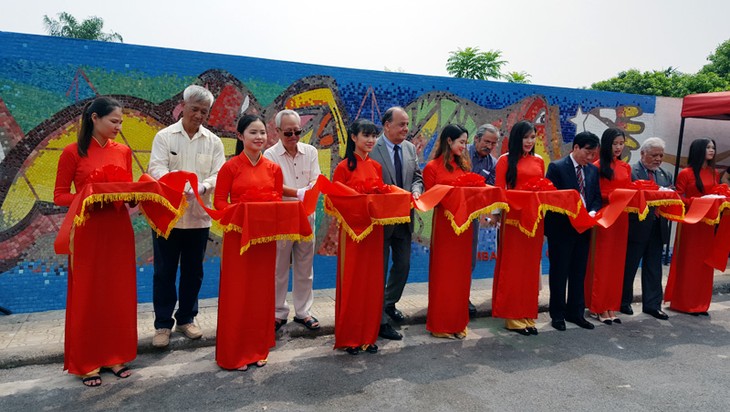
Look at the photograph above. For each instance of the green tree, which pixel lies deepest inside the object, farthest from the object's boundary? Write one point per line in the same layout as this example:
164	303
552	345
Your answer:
471	63
517	77
89	29
719	61
668	82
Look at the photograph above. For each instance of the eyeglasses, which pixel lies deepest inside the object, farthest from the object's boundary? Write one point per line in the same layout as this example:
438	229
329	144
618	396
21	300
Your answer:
290	133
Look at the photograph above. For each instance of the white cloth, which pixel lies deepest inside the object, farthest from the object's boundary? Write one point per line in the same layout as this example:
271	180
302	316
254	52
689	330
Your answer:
299	171
173	149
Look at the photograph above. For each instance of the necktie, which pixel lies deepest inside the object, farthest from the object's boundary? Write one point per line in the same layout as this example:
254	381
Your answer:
398	166
581	182
652	175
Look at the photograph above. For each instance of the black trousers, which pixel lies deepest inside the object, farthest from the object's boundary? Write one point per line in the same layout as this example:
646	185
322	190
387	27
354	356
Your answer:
649	253
185	247
568	258
398	239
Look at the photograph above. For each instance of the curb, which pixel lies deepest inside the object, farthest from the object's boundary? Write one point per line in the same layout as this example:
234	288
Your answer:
51	353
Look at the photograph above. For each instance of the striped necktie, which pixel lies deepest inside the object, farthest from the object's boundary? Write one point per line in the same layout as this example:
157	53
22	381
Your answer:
581	181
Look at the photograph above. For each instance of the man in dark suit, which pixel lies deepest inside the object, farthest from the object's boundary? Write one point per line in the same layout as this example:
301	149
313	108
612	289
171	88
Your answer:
568	249
647	237
399	160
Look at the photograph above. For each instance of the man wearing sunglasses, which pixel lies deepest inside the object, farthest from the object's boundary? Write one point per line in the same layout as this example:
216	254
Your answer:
300	165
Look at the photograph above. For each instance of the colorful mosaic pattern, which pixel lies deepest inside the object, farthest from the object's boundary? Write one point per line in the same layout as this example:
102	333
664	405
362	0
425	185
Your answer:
45	82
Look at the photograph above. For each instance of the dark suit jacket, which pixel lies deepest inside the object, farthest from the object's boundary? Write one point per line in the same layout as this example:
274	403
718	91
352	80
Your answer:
412	179
639	230
562	174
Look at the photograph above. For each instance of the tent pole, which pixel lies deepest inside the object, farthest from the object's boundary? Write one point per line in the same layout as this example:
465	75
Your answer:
676	173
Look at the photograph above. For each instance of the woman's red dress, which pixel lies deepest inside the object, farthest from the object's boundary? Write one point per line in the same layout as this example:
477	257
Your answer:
607	257
689	287
449	273
360	278
101	305
246	297
517	273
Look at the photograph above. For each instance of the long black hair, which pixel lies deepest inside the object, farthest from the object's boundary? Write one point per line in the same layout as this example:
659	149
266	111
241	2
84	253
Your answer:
518	132
243	123
358	126
102	106
697	159
606	152
453	132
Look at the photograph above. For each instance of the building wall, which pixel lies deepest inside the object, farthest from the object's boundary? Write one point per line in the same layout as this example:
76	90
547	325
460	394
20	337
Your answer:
44	82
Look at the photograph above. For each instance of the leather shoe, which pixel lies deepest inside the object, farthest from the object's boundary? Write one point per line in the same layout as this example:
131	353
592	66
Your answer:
387	332
559	325
472	309
657	314
626	310
395	314
582	322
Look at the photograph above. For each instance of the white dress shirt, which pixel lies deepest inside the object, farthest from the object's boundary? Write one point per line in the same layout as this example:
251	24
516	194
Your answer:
173	149
299	171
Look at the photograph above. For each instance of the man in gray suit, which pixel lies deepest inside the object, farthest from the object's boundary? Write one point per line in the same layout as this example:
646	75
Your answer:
647	237
399	160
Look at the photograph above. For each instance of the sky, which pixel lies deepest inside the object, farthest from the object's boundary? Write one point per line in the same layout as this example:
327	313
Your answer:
564	43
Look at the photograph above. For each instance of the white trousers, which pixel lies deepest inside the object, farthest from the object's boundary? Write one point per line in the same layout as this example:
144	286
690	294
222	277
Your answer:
300	257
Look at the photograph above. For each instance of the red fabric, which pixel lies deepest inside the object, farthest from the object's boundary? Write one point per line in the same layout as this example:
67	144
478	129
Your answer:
360	277
245	330
689	287
252	222
241	181
449	274
607	256
101	304
358	212
517	272
687	188
707	105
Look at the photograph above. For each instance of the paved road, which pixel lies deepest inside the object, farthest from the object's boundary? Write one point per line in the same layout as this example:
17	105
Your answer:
645	364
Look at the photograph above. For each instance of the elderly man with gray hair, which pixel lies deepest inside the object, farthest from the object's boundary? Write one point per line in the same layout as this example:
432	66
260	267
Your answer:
185	145
299	163
647	237
483	163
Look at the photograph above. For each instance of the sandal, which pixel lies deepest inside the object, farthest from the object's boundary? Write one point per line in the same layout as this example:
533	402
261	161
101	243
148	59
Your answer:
243	368
92	380
262	363
355	350
372	348
310	323
278	323
119	373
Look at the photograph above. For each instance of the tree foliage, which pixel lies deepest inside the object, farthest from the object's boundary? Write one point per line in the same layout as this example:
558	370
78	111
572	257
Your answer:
719	61
670	82
517	77
472	63
89	29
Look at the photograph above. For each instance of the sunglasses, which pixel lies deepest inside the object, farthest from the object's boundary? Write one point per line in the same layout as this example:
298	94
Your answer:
292	133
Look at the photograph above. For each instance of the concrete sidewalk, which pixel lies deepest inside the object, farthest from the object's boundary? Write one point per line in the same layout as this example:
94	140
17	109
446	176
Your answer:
37	338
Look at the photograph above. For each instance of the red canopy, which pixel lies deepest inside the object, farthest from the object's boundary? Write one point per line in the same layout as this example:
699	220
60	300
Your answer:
707	105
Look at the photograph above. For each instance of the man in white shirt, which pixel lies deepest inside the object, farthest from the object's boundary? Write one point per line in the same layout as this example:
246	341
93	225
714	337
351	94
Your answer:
186	145
300	165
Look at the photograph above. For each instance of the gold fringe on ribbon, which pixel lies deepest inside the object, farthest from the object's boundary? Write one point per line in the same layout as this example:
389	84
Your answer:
725	204
178	214
103	198
294	237
542	209
330	210
483	211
